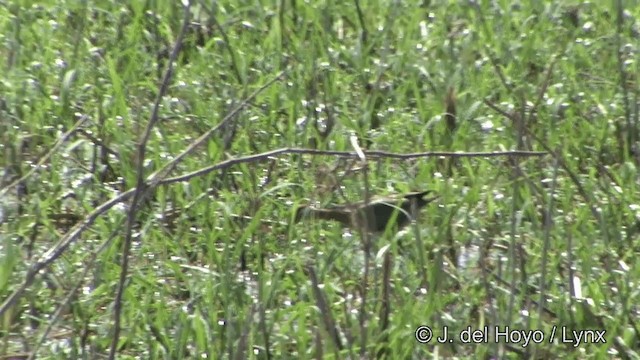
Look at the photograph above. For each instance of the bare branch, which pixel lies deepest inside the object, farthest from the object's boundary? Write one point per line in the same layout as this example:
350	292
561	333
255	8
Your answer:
370	154
141	189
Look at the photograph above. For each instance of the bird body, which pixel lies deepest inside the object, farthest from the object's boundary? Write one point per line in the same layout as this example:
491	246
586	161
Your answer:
375	216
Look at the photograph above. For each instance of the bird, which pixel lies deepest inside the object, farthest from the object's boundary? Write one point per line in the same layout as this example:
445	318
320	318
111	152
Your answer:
379	212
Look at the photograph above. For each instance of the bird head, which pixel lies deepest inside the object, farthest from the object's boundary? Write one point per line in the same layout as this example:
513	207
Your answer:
421	198
301	212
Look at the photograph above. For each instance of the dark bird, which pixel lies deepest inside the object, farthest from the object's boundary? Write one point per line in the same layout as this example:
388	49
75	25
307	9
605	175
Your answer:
375	216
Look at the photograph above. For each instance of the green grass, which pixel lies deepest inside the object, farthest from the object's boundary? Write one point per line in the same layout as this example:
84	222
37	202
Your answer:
227	275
